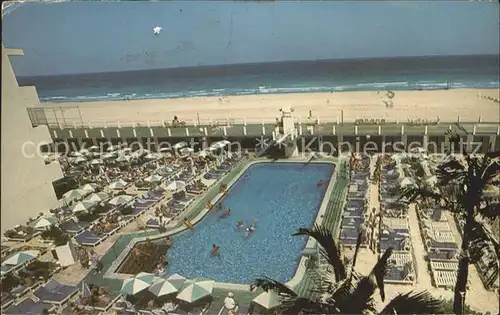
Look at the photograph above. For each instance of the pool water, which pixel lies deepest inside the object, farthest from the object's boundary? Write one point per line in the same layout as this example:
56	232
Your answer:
280	197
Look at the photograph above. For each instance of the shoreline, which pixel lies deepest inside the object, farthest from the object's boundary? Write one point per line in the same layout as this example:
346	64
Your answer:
448	105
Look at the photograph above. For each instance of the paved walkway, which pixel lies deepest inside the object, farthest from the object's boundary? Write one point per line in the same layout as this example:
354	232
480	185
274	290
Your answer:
424	278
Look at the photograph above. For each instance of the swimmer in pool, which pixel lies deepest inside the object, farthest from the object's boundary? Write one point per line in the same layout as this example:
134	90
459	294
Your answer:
219	206
320	183
249	230
227	212
239	224
215	251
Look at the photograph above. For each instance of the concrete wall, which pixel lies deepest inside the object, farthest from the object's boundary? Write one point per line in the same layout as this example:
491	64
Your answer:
26	181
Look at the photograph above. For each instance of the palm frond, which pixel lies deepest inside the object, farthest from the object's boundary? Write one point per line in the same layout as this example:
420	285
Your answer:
413	303
355	298
301	305
490	210
414	193
493	155
268	284
329	249
380	269
356	252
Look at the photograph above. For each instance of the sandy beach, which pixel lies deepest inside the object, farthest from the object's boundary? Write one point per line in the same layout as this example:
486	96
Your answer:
448	105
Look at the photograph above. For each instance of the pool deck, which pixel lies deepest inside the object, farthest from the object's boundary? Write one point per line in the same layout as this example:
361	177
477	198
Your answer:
328	215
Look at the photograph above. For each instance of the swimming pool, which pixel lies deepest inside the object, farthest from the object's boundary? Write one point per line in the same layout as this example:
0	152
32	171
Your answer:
280	197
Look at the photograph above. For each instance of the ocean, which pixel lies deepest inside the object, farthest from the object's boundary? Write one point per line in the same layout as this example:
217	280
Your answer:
415	73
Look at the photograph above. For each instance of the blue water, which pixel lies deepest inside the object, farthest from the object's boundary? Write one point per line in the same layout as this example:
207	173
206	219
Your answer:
281	197
422	73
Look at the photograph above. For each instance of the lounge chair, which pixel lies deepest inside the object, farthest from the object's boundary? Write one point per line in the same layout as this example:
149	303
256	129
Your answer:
28	307
55	293
88	238
153	223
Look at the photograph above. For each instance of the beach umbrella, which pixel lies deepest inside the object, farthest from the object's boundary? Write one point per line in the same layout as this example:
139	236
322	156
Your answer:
153	179
96	162
268	300
21	257
186	151
91	187
98	197
407	181
165	287
75	154
137	284
120	200
216	146
108	156
122	158
202	153
119	184
152	156
74	193
180	145
82	206
176	185
79	160
165	149
177	280
112	148
225	142
194	290
85	290
45	222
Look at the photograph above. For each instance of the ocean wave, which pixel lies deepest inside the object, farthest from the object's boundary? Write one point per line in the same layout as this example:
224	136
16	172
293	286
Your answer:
402	85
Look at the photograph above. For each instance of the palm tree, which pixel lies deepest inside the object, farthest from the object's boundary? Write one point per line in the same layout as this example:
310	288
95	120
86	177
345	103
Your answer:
345	291
461	189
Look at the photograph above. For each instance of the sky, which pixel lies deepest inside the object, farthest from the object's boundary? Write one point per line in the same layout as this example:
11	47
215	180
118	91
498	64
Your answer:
88	37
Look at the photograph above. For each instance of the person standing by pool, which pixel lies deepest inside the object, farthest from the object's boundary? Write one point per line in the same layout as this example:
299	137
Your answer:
215	251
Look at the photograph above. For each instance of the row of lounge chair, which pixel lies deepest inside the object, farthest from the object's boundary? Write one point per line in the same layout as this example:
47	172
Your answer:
141	204
395	230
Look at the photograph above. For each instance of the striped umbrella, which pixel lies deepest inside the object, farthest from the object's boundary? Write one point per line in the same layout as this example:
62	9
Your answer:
45	222
153	179
98	197
268	300
137	284
21	257
118	184
176	185
89	187
79	160
123	158
177	280
180	145
163	287
83	206
74	193
194	290
119	200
